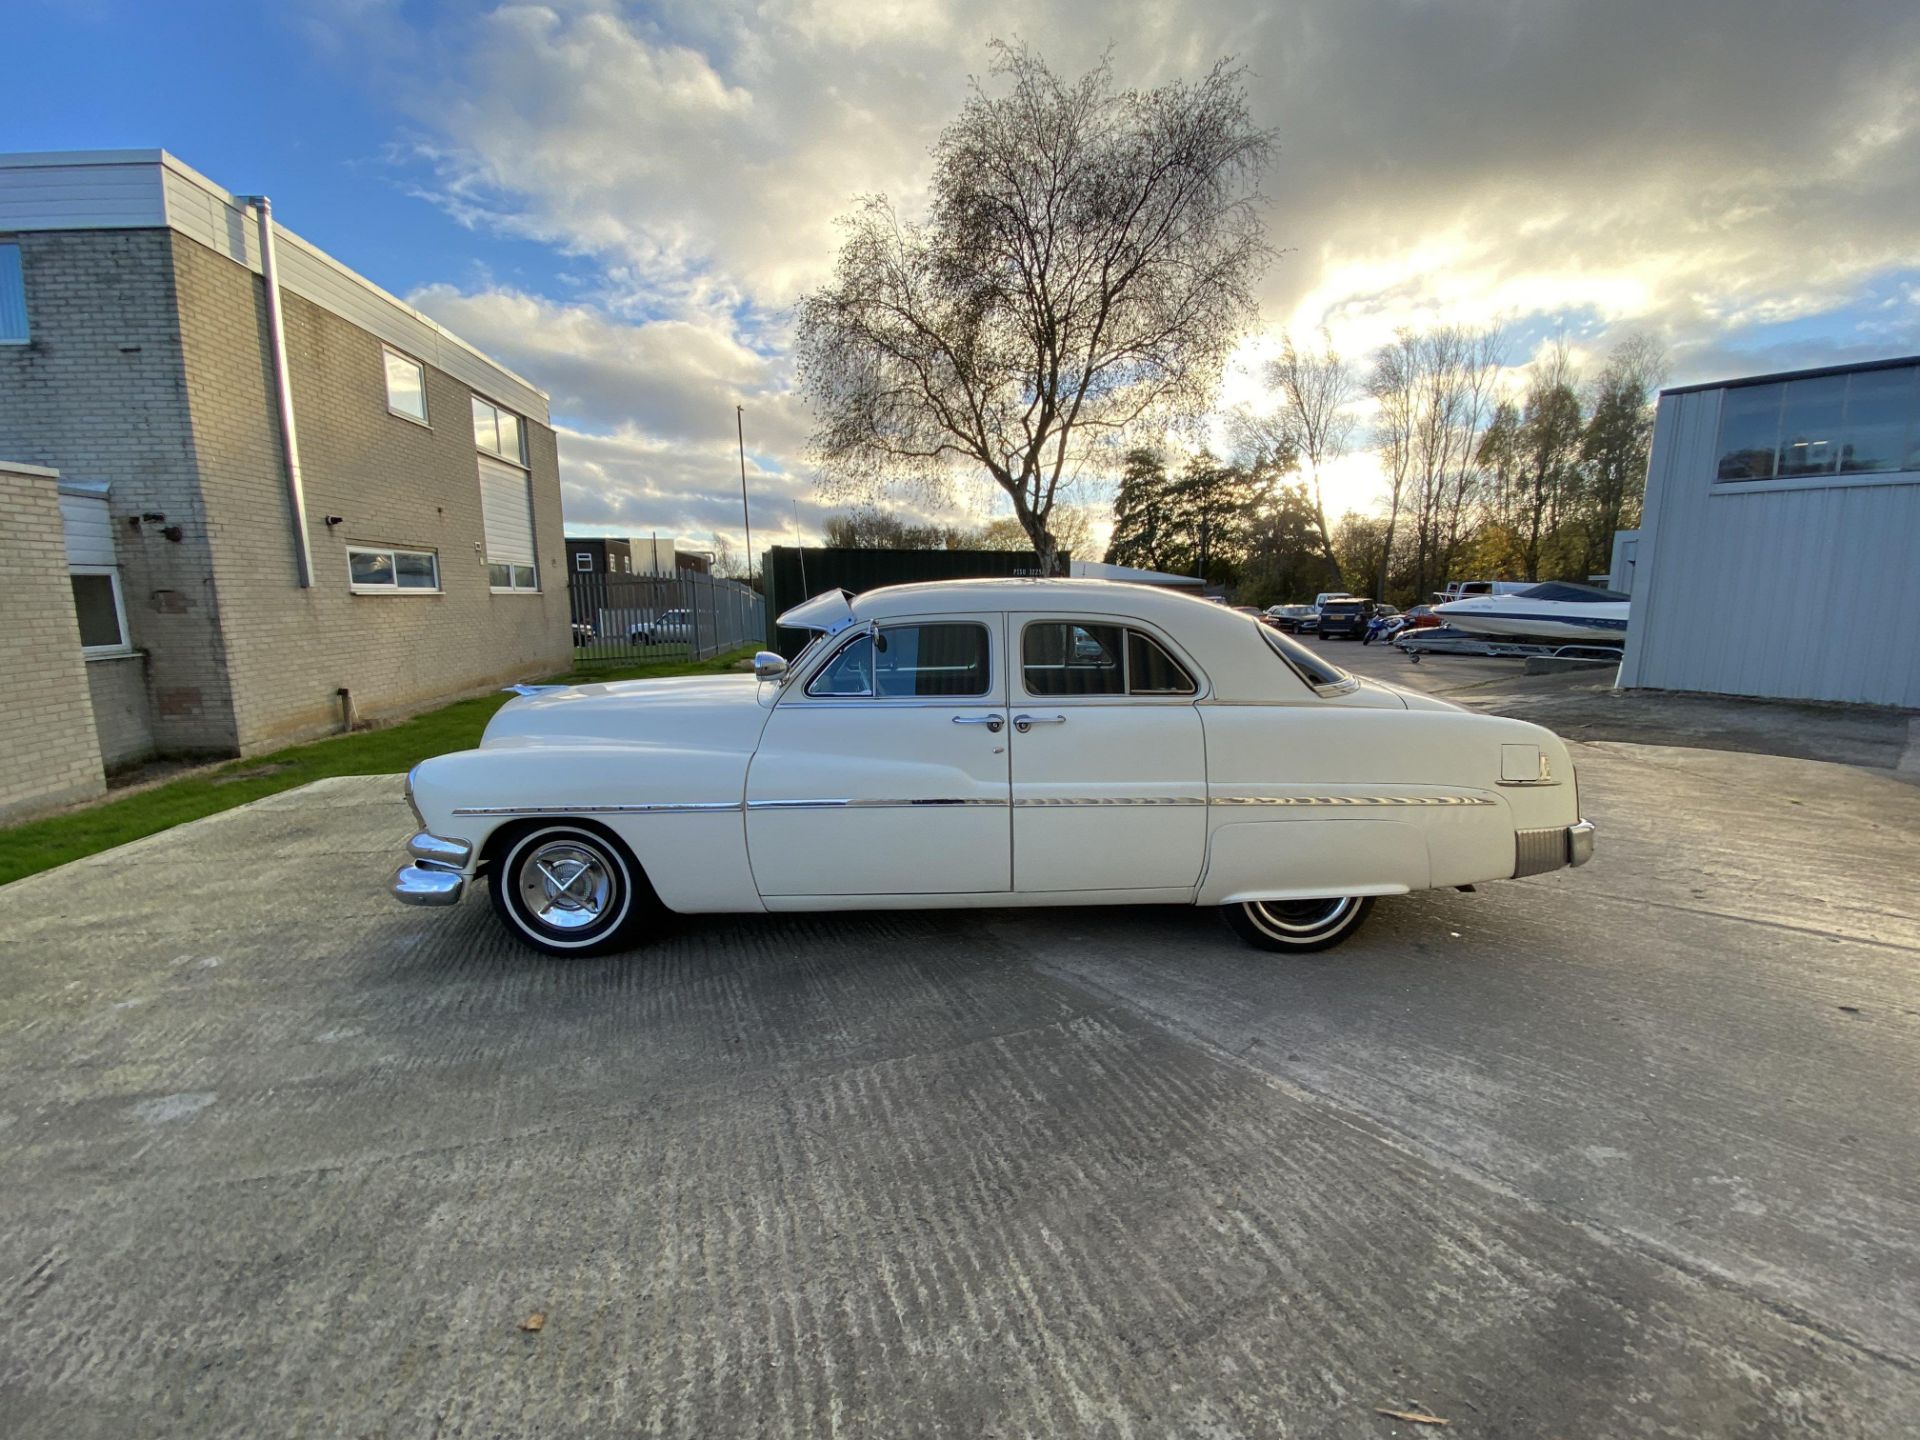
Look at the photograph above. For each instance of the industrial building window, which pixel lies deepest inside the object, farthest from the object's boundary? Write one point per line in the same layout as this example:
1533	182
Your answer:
406	386
499	432
1861	423
391	572
506	513
13	298
583	561
97	600
101	610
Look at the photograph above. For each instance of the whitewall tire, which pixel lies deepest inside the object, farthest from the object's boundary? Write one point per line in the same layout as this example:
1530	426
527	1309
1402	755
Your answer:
567	889
1298	927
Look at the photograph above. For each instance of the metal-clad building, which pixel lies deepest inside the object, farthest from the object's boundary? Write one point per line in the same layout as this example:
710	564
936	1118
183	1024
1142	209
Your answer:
1779	551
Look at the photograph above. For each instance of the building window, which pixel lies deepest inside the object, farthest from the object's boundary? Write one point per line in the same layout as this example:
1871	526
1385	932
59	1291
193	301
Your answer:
391	572
1861	423
499	432
583	561
13	298
101	610
406	386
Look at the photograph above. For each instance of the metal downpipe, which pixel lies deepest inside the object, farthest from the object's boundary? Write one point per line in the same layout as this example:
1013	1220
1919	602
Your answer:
283	389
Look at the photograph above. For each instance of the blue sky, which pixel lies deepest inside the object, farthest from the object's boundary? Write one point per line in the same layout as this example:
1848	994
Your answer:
623	201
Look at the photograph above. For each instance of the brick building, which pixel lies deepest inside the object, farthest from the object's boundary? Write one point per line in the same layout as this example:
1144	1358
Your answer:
141	405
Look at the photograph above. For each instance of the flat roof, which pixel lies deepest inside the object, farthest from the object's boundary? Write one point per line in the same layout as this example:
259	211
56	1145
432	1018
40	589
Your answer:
1778	375
153	190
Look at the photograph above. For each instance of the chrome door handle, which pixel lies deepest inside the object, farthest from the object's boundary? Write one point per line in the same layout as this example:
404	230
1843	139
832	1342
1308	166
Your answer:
992	722
1024	723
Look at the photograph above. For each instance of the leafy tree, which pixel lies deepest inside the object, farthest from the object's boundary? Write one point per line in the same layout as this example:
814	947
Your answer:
1143	534
1072	531
1616	442
1087	262
1549	449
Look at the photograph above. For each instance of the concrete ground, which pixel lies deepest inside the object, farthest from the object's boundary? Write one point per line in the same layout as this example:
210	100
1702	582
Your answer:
1625	1151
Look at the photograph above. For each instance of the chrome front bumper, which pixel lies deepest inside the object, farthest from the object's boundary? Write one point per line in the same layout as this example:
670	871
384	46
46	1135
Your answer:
435	876
1552	848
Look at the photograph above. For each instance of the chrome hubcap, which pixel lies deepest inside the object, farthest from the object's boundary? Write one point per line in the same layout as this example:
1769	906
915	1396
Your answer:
1301	919
567	886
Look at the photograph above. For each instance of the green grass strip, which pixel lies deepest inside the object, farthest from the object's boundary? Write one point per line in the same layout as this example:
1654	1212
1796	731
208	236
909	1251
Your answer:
41	844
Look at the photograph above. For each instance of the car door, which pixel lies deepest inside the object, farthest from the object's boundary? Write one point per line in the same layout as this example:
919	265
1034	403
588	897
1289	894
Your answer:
885	770
1109	759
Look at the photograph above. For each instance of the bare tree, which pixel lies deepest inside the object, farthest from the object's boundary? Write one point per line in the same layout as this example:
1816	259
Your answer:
1088	260
1393	383
1313	421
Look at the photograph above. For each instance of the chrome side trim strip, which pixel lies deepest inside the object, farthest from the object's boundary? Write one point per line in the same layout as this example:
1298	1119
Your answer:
695	807
1231	799
1055	802
937	802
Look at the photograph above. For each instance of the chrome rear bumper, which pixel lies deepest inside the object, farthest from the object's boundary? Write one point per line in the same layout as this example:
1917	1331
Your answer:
435	875
1552	848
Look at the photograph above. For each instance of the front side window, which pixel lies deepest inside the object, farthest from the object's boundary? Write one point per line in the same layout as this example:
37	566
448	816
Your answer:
387	571
98	606
934	661
406	386
13	298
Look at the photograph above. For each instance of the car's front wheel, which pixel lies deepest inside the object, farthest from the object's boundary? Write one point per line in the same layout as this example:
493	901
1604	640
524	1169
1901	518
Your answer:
568	890
1298	926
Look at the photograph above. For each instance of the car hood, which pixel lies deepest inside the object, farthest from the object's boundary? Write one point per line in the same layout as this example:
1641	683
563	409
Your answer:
704	712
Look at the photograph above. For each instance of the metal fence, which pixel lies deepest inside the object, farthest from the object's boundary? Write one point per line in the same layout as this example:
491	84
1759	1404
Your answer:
626	619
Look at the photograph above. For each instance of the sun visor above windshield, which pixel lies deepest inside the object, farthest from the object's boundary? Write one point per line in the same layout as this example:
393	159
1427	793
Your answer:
829	611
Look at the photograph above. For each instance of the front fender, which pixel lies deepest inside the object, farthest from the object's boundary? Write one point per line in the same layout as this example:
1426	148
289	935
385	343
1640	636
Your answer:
678	809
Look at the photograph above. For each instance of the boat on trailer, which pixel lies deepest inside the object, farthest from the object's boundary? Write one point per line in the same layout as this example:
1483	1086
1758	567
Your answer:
1553	613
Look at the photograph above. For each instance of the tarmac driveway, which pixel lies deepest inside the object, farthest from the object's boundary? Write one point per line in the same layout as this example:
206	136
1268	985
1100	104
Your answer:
1618	1152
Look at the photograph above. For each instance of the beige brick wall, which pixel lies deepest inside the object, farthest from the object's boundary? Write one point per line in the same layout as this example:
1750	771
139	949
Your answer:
392	481
122	717
48	754
98	393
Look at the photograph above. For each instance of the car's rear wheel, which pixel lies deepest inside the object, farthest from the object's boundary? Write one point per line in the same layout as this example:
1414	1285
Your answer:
1296	927
568	890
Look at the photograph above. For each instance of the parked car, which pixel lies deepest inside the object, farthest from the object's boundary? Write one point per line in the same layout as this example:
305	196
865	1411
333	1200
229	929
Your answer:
1421	617
1326	595
1288	617
1345	618
989	743
670	627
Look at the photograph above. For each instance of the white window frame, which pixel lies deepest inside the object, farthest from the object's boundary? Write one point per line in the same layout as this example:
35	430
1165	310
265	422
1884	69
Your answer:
124	646
392	552
515	588
425	419
583	561
520	425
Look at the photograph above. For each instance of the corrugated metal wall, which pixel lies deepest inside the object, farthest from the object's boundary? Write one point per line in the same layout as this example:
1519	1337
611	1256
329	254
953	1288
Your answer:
1805	589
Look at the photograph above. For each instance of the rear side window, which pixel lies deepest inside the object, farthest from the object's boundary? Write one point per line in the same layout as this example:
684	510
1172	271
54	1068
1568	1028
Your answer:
1065	657
910	661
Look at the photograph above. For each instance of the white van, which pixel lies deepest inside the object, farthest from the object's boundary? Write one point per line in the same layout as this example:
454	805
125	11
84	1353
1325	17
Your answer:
1326	595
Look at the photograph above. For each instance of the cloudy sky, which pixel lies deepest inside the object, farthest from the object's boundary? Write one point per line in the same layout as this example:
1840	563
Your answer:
623	201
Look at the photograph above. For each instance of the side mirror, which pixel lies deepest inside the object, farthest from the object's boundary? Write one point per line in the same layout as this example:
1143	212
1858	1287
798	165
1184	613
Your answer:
768	666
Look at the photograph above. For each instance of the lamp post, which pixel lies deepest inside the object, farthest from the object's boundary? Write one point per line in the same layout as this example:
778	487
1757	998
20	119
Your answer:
740	426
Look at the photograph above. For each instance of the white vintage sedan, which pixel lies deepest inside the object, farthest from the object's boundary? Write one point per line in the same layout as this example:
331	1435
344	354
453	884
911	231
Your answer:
990	743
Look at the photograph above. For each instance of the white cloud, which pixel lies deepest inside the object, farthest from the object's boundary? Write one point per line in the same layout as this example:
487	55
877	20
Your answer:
1698	169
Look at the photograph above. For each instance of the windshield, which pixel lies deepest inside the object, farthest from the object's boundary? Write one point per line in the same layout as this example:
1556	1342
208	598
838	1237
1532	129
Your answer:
1322	674
1568	594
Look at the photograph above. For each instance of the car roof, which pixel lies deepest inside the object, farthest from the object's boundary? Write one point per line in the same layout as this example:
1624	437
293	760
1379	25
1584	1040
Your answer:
1226	643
